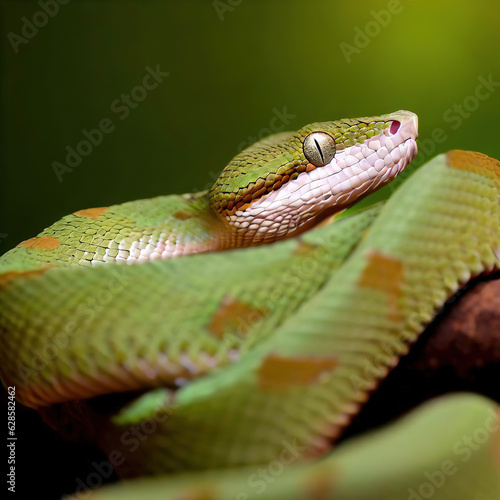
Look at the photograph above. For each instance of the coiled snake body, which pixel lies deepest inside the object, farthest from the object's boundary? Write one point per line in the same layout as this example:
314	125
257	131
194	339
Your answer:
258	321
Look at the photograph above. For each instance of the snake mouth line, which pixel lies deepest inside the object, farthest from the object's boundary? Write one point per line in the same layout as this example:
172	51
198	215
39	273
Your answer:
303	202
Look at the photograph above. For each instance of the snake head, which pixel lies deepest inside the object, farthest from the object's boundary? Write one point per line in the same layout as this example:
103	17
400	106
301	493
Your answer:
287	183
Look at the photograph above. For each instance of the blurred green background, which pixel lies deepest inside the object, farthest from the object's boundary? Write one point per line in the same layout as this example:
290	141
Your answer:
231	65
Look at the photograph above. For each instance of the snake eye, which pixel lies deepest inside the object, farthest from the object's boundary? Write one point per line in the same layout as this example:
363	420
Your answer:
319	148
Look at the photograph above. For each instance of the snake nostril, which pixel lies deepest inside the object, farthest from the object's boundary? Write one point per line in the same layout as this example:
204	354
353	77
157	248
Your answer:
394	127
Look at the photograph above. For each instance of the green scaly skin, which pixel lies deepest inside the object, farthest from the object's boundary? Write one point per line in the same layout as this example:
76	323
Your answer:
314	323
201	222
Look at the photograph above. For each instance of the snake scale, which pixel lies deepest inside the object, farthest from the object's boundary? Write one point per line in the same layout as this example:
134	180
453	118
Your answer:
256	319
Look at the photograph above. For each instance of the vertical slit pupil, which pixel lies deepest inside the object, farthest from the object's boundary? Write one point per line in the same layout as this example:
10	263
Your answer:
319	150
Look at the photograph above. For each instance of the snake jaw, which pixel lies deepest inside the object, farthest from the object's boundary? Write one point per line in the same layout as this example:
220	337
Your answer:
354	172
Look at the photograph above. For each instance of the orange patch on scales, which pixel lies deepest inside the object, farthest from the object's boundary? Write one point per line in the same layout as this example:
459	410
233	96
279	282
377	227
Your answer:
182	215
385	274
281	373
41	243
6	278
234	316
495	446
320	484
471	161
201	492
91	213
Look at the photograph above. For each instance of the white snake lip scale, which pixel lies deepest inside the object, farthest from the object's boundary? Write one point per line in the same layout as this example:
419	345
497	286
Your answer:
340	162
319	322
354	172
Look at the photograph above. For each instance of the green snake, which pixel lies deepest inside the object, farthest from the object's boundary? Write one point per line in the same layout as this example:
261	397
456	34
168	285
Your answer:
256	319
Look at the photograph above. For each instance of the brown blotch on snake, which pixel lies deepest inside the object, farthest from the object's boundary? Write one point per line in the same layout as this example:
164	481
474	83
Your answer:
277	373
474	162
6	278
384	273
91	213
42	243
182	215
235	317
320	484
